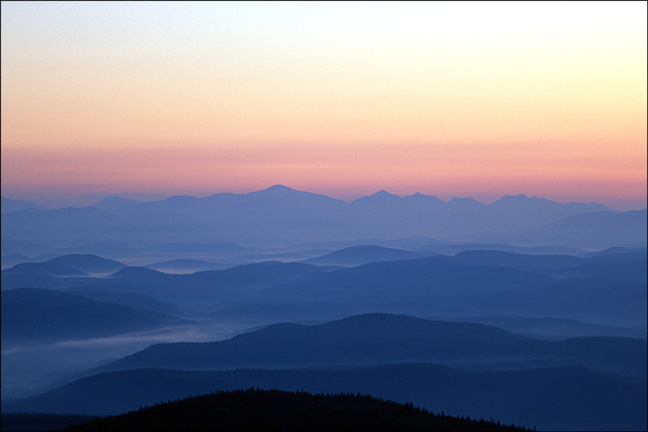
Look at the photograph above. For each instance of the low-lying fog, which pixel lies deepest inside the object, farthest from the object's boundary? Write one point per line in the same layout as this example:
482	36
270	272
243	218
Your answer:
28	370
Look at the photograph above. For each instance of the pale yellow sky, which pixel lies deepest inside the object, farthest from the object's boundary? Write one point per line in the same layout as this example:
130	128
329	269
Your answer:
481	99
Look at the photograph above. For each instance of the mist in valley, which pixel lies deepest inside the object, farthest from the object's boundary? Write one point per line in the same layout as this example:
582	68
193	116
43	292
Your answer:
107	291
379	208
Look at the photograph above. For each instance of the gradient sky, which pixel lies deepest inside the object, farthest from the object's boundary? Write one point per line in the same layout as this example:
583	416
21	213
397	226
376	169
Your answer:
345	99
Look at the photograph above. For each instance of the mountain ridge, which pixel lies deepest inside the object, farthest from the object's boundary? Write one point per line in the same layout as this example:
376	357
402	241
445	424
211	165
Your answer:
282	215
255	409
584	402
378	338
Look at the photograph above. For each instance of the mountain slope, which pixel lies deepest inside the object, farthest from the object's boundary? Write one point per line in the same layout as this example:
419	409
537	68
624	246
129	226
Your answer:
196	288
382	339
357	255
36	315
516	260
257	410
9	205
371	338
565	398
592	290
45	269
592	230
602	289
88	263
184	266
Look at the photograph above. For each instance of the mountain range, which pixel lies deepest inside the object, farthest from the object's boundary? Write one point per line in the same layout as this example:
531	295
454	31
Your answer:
386	339
560	398
525	310
281	215
604	288
525	335
459	368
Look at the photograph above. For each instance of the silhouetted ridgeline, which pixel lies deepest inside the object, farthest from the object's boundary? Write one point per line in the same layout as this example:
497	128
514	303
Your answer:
385	339
298	216
559	398
278	410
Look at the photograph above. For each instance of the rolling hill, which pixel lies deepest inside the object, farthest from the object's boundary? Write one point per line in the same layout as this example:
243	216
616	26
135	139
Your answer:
44	268
386	339
604	289
357	255
257	410
562	398
184	266
188	290
88	263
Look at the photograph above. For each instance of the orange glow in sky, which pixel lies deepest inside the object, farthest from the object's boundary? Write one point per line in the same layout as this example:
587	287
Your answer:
448	99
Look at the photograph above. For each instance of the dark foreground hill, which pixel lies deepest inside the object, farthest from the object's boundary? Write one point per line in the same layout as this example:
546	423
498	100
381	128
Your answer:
278	410
564	398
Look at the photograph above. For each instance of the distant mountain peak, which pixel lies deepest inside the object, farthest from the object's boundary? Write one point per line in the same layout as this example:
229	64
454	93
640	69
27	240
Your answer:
384	193
516	198
115	198
382	196
278	190
519	199
278	187
422	198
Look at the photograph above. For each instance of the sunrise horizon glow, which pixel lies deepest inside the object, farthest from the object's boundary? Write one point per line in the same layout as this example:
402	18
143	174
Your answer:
477	100
93	195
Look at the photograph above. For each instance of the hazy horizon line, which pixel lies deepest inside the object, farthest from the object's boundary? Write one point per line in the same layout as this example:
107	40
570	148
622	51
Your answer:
59	200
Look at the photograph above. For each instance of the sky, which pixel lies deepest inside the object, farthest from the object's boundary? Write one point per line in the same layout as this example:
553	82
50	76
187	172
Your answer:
479	99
